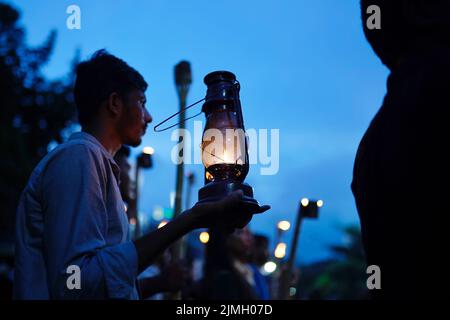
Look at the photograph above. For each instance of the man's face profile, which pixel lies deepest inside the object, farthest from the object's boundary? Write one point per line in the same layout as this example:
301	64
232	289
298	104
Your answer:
134	118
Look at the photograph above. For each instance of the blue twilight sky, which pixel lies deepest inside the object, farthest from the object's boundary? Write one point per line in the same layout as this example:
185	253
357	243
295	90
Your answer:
304	68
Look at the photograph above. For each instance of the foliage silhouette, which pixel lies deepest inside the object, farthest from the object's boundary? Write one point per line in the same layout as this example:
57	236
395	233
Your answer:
34	111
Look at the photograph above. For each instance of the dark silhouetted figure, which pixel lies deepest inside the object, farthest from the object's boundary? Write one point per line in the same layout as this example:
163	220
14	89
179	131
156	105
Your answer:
125	185
162	276
260	250
402	170
229	271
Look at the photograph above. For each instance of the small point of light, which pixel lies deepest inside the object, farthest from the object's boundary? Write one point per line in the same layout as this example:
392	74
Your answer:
162	224
270	267
292	291
204	237
284	225
305	202
158	213
148	150
320	203
280	250
133	221
125	207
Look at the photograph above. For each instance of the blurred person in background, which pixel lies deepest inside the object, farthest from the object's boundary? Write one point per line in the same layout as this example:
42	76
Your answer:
241	246
259	257
228	271
260	250
163	277
160	277
125	185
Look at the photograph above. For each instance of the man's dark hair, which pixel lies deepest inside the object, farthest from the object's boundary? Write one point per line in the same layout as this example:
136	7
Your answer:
100	76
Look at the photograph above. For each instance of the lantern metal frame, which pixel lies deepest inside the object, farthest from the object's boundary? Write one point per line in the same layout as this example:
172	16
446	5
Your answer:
223	94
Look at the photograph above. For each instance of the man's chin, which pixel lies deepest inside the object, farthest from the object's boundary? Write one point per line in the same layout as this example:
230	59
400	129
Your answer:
134	143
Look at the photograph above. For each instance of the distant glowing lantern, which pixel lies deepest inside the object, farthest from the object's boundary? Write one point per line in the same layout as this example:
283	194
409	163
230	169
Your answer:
280	250
269	267
204	237
305	202
310	208
284	225
144	160
148	150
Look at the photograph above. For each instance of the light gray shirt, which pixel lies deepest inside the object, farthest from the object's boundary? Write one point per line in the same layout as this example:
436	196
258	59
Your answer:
71	214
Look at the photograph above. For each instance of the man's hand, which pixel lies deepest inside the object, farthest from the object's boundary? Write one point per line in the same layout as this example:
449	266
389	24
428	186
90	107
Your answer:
232	212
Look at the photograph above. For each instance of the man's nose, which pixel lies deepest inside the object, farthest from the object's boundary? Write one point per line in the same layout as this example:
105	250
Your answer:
147	117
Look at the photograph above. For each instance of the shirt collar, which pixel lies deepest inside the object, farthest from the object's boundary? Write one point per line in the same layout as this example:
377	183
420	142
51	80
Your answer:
88	137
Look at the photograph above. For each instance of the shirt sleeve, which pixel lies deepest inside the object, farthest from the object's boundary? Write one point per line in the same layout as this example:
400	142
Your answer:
76	224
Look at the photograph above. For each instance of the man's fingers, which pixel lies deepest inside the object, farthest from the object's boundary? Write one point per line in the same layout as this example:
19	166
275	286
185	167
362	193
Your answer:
264	208
233	198
255	208
238	194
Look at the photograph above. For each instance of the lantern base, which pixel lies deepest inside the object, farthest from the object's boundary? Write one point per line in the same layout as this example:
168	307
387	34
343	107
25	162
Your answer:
217	190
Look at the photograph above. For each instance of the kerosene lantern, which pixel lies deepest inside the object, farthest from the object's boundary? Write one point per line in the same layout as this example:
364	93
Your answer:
224	143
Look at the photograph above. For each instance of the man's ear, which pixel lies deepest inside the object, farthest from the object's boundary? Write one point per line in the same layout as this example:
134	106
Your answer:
114	104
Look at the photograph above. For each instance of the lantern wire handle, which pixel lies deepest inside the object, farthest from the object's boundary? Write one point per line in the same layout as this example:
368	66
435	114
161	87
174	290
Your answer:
184	110
155	128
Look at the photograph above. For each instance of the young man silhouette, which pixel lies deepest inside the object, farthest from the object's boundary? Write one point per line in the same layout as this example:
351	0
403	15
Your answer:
71	214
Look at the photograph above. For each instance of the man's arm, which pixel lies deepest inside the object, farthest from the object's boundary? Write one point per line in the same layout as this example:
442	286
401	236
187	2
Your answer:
231	212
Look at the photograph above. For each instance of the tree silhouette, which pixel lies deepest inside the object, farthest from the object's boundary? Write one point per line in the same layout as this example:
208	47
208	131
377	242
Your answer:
343	277
34	111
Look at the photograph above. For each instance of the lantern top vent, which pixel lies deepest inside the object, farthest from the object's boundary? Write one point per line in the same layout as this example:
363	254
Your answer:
219	76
